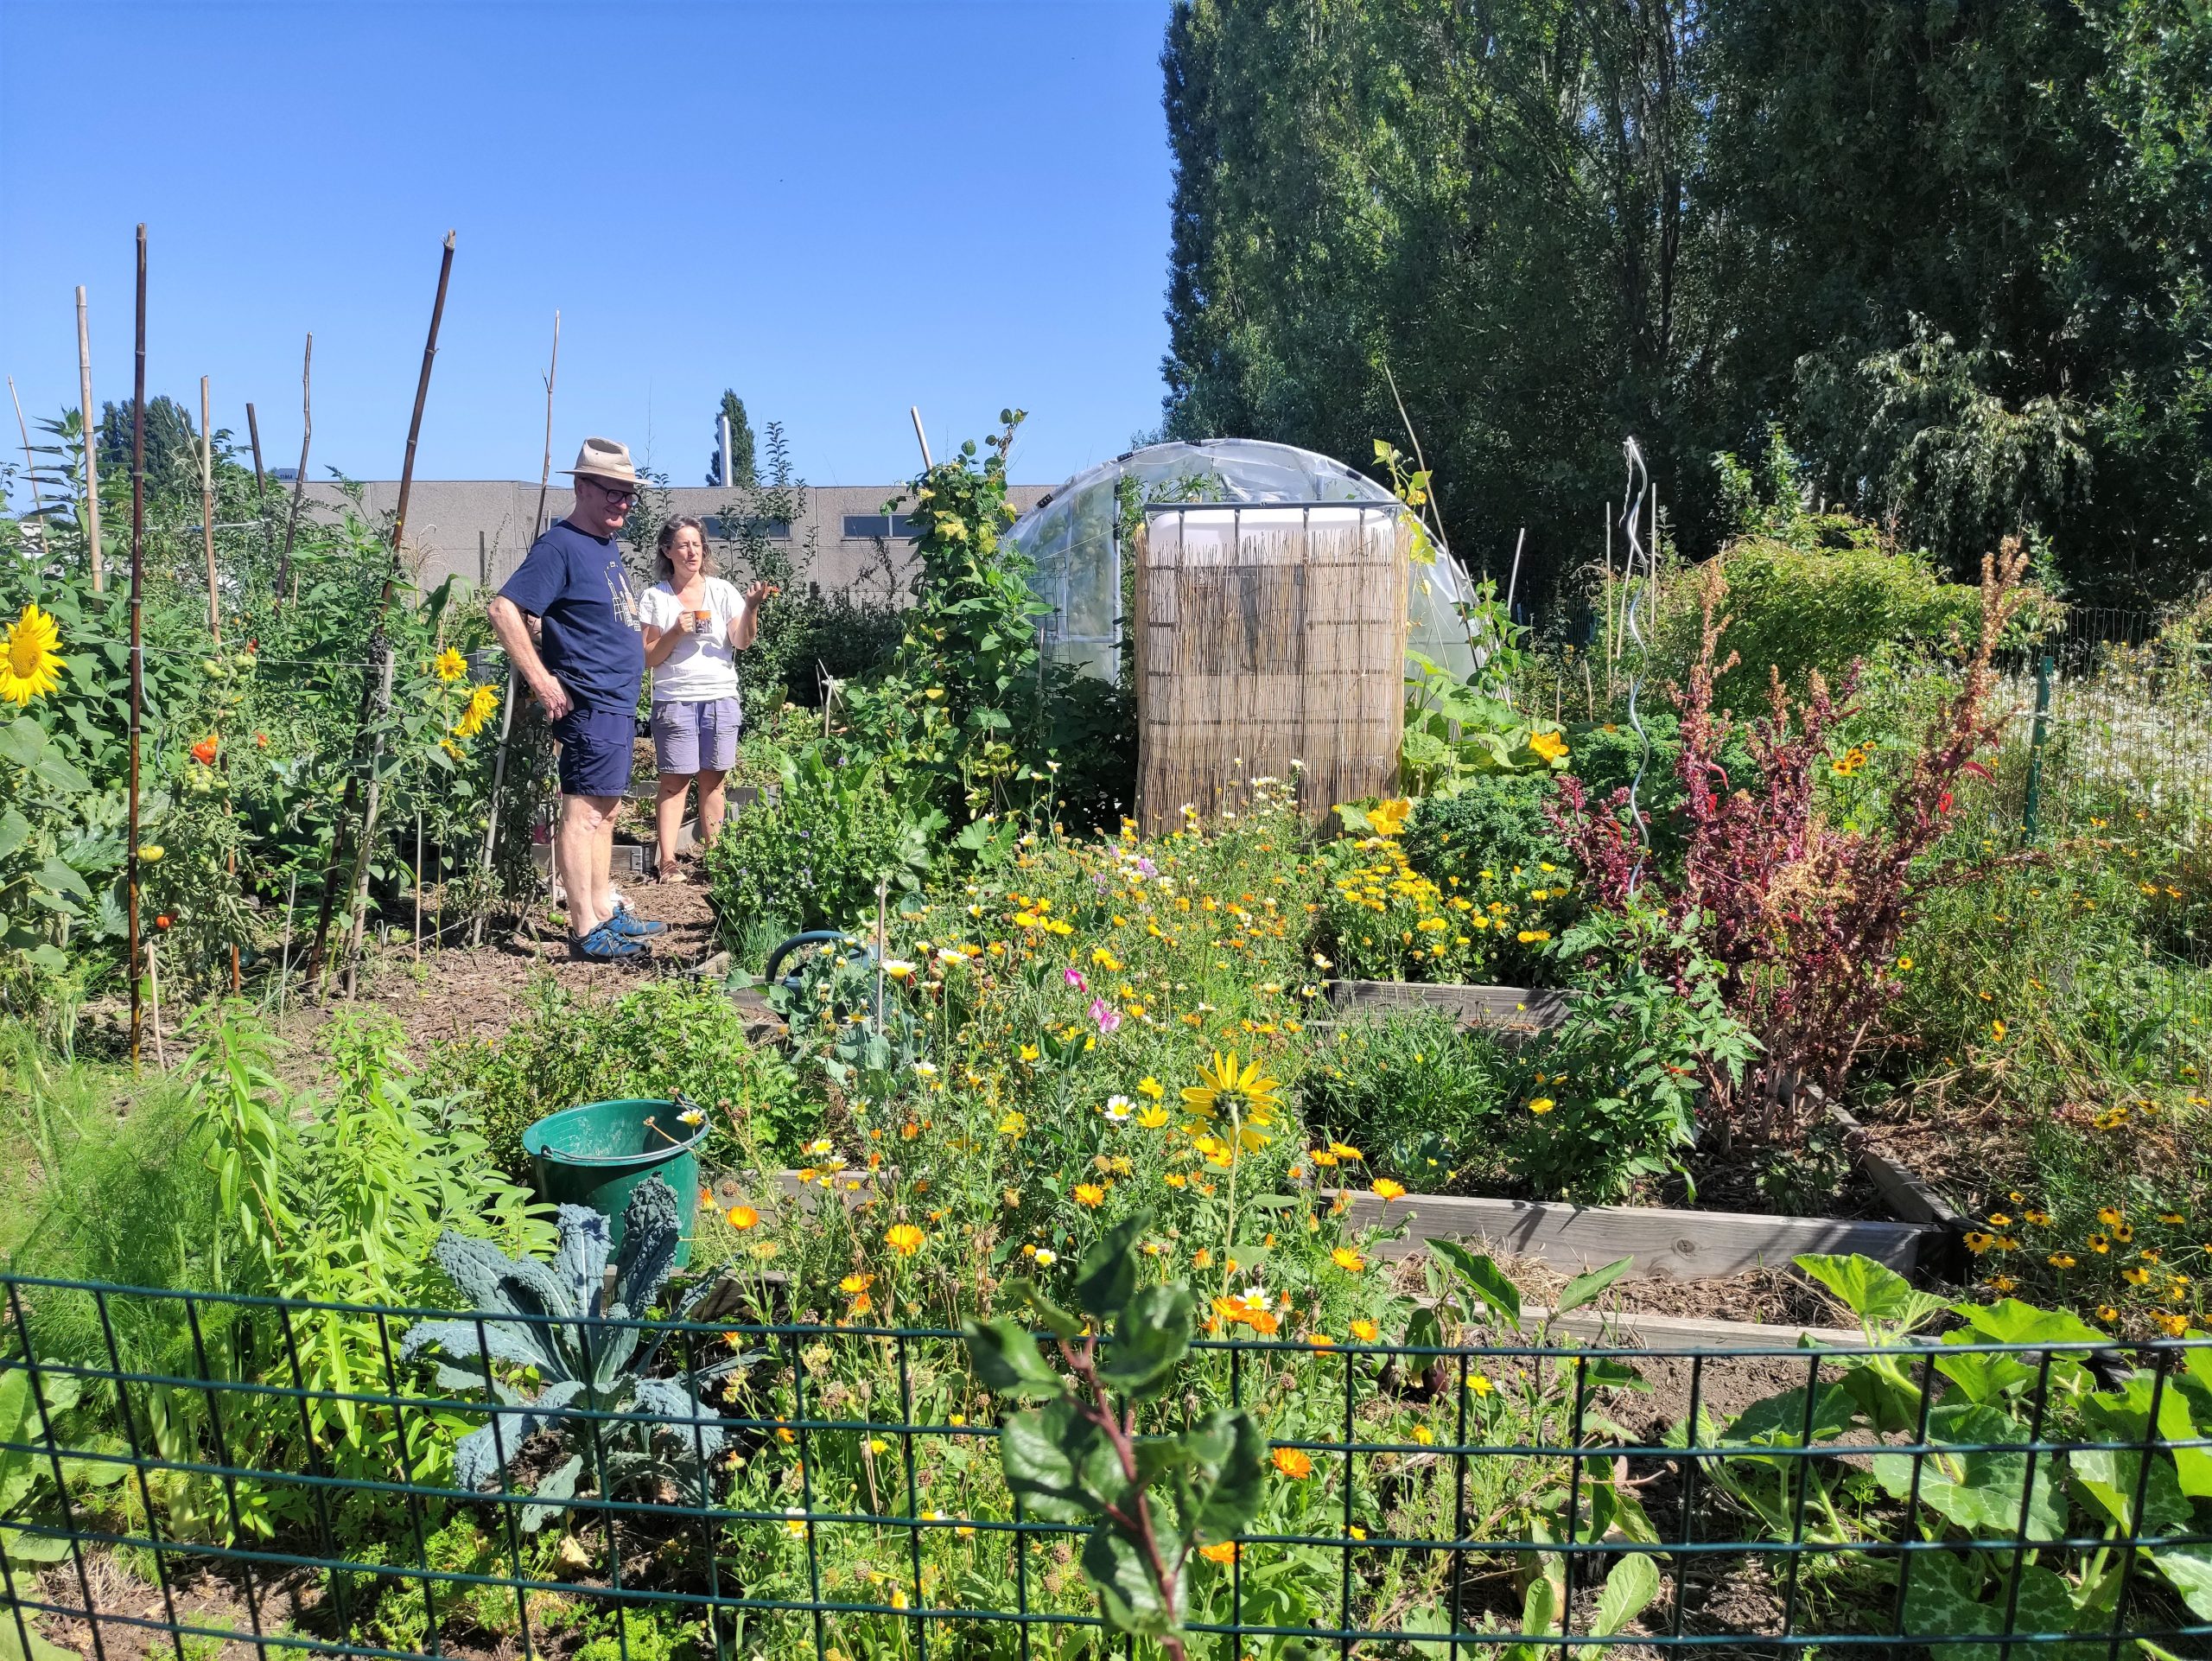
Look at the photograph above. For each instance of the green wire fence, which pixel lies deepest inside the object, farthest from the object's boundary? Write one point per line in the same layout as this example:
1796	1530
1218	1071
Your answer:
182	1470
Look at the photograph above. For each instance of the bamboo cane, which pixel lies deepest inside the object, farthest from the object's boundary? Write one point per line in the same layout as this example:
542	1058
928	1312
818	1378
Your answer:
285	964
214	594
299	478
138	638
507	707
418	890
376	691
30	465
260	480
92	450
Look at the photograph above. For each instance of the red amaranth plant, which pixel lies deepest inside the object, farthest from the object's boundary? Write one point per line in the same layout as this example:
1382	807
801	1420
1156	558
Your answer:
1802	920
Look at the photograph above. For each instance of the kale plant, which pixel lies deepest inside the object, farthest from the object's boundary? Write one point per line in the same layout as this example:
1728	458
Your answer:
575	1322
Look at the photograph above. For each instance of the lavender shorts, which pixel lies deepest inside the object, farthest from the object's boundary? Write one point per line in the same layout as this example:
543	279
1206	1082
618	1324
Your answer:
691	735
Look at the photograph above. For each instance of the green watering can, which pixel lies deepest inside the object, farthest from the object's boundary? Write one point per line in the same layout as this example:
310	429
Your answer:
596	1154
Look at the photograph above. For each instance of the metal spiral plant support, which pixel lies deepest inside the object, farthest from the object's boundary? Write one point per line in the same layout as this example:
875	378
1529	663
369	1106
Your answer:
1634	490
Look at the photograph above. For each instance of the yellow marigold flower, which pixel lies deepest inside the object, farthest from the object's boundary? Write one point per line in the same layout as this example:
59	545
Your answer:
1346	1150
1424	1436
1365	1331
1225	1552
30	665
1090	1194
1386	1191
1293	1462
450	665
904	1238
1345	1259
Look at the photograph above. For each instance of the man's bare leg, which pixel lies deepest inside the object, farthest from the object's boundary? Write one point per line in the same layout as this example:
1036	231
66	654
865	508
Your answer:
586	836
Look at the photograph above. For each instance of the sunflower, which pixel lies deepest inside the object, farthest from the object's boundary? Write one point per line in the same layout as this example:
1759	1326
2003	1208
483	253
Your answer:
450	665
483	704
1224	1084
29	665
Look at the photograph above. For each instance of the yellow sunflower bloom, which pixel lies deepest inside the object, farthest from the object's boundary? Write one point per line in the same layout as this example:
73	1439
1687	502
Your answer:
29	665
483	704
450	665
1224	1084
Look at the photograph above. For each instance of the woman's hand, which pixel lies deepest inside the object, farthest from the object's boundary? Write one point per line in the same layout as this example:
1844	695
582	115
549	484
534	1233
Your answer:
745	627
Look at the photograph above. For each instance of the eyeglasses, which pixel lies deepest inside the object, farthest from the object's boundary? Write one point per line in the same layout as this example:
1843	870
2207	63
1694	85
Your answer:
612	493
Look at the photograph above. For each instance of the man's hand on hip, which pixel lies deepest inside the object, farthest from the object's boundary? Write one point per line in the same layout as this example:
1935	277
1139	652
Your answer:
555	696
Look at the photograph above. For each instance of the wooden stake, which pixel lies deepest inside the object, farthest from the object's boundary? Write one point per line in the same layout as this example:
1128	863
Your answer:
418	890
545	471
507	707
207	516
137	637
285	964
376	690
253	432
30	467
91	447
299	478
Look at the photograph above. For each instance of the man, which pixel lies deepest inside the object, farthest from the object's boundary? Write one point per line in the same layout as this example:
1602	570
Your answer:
586	676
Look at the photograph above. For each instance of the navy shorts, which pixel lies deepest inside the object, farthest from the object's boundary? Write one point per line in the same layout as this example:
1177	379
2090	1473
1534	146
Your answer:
595	751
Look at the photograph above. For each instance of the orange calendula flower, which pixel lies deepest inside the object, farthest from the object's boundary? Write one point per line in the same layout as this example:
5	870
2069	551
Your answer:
1386	1191
1345	1259
1365	1331
1293	1463
742	1218
1224	1553
904	1238
1090	1194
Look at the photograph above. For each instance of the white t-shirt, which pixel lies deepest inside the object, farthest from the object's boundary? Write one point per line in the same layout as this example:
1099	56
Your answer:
699	667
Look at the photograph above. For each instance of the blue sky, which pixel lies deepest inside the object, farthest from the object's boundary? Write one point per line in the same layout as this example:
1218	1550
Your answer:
839	209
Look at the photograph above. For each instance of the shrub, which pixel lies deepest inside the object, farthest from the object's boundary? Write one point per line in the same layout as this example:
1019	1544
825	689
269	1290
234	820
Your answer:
1799	917
814	857
1495	823
1422	1097
665	1038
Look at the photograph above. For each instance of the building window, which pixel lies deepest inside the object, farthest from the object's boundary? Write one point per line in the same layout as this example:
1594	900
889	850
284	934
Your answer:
767	529
897	527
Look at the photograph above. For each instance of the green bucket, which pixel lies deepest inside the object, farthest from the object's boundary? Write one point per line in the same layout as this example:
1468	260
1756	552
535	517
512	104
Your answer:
594	1155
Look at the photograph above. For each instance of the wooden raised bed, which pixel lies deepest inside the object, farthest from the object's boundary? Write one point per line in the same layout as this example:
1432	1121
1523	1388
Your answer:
1509	1009
1679	1245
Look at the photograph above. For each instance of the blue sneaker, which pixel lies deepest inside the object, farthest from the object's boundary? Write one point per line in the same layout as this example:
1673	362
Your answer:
606	944
631	926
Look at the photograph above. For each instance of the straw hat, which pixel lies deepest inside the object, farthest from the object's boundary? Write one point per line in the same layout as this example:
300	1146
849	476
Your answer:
602	458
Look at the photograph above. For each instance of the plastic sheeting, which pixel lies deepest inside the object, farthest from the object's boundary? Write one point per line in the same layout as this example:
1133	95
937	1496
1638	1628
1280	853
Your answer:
1072	536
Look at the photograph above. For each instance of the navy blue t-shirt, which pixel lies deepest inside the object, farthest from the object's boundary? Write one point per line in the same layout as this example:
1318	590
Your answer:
575	584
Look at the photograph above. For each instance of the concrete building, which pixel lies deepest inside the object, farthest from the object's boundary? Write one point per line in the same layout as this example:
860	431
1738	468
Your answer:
480	529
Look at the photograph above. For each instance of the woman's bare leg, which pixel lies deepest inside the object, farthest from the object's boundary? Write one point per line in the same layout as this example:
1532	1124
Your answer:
668	813
711	805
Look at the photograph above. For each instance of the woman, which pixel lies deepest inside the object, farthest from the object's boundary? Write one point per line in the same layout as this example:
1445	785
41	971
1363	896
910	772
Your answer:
695	625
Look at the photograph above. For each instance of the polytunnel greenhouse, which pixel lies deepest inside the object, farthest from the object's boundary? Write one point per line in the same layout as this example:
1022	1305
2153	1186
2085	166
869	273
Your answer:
1075	536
